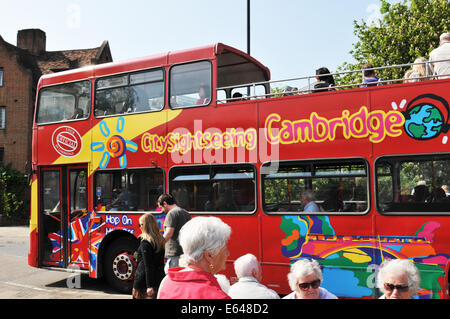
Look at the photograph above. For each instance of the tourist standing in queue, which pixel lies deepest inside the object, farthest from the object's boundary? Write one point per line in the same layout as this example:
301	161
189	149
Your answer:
175	219
150	259
205	245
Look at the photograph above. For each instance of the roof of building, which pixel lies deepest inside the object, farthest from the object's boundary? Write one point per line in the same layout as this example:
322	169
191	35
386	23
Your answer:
55	61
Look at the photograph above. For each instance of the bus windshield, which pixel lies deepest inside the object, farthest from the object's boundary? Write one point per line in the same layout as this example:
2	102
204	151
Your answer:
69	101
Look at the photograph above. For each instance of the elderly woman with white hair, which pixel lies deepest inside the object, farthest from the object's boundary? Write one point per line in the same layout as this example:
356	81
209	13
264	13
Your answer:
305	279
204	241
398	279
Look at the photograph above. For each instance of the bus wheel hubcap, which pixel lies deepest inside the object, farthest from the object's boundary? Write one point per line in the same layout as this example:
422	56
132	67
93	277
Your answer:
123	266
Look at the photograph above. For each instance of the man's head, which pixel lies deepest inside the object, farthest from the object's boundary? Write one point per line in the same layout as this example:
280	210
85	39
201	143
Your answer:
368	73
307	196
445	37
248	266
166	202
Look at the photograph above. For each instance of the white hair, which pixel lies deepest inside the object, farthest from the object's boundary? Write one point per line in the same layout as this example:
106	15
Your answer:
202	234
399	266
245	265
309	194
302	268
445	37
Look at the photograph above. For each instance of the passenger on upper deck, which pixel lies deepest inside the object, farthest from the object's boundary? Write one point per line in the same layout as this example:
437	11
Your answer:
325	80
369	77
237	96
442	53
204	95
418	71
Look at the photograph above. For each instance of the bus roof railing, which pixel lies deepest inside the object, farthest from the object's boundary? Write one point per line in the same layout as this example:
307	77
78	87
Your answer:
309	88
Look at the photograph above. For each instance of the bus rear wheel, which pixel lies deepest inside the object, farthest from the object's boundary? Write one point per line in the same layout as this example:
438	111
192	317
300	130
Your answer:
120	265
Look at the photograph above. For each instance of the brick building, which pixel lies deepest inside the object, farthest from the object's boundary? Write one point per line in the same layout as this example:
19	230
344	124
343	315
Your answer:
20	69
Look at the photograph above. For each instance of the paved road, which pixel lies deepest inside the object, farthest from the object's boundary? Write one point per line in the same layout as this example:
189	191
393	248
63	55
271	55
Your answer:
18	280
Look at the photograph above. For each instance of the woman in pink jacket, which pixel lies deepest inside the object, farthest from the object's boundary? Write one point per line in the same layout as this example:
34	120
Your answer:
204	241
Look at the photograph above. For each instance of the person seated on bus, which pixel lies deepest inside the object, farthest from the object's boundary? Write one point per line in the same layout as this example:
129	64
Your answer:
125	200
78	114
437	195
333	203
446	190
369	76
181	195
420	193
204	95
442	53
237	96
325	81
418	72
307	199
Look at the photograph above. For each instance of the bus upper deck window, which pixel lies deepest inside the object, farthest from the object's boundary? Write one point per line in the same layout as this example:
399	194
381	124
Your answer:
70	101
190	84
129	93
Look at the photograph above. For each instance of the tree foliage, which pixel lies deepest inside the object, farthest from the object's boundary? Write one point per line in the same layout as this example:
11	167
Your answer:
13	195
407	30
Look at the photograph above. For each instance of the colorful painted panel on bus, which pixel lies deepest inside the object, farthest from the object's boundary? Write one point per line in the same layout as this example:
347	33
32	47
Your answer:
351	262
86	233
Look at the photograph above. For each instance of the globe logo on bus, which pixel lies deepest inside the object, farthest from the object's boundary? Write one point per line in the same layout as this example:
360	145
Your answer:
427	118
425	122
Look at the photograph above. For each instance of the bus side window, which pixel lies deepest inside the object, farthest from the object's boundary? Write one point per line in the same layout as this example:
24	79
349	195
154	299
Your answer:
190	84
413	184
337	186
141	91
227	188
128	190
70	101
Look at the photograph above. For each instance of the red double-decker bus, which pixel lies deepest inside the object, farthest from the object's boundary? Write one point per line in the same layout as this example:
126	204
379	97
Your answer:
109	139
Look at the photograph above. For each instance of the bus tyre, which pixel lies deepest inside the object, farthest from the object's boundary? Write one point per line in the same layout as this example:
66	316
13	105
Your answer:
120	265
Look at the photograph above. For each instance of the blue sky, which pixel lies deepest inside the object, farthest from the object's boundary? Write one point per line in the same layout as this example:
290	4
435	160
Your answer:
291	37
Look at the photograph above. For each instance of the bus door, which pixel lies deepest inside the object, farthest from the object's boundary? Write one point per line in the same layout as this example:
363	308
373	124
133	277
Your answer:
64	199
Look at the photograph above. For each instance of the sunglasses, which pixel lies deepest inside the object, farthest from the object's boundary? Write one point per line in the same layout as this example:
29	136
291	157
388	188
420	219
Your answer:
313	284
400	288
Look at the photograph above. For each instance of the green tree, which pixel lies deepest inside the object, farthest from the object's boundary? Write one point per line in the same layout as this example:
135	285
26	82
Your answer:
14	201
406	30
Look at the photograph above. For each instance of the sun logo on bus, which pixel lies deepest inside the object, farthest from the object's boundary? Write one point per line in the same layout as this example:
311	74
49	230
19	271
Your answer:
115	145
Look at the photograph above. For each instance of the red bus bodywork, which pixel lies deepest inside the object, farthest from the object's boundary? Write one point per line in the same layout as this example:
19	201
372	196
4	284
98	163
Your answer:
349	246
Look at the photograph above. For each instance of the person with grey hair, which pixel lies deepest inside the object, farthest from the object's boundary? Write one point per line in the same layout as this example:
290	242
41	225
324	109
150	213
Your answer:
205	245
249	272
398	279
307	199
305	279
442	53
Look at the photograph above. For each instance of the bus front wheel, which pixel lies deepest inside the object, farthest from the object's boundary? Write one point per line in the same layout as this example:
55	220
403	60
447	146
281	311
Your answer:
120	266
